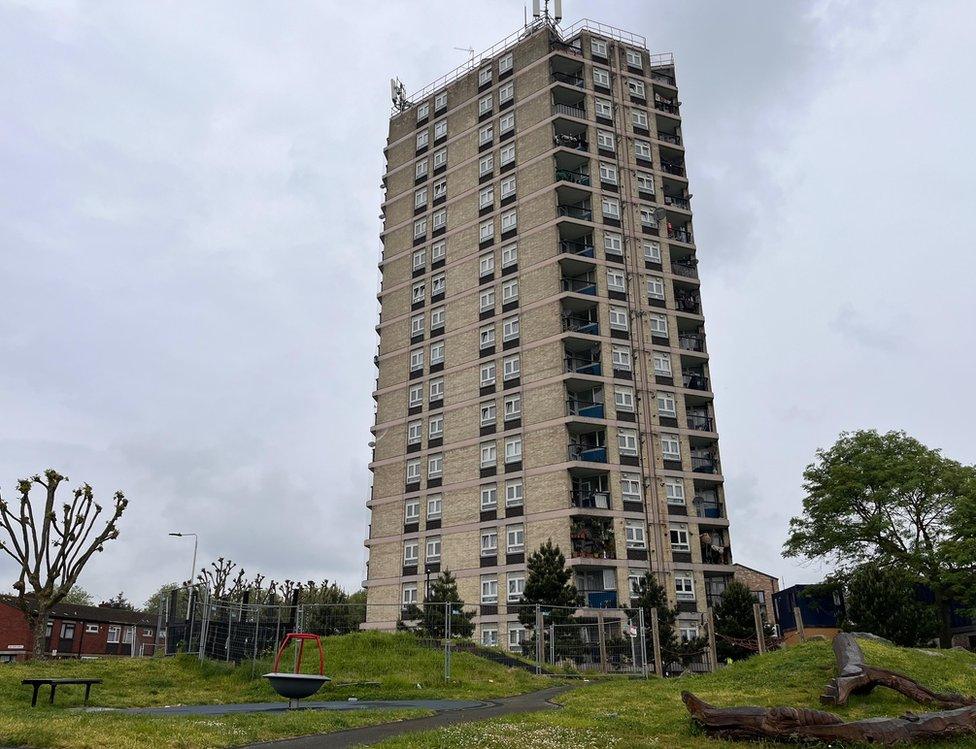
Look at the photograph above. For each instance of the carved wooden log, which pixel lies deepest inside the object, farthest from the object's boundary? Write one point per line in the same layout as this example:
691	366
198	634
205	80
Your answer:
788	723
854	676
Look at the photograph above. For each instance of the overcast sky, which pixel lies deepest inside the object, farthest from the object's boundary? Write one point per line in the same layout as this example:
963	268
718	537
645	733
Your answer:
189	236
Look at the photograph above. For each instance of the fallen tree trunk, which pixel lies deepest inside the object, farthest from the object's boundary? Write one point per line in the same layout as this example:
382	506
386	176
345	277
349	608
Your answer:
790	724
854	676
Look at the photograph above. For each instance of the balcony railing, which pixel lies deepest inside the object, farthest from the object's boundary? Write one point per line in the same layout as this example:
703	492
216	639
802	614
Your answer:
587	409
709	510
680	235
686	268
600	599
692	342
695	381
572	80
574	211
672	167
711	555
665	106
579	178
576	324
688	303
669	138
575	247
683	203
590	500
589	453
701	422
579	285
578	365
565	140
704	464
662	78
570	111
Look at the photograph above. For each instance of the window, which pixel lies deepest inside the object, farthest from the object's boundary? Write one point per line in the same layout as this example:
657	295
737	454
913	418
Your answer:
489	589
603	108
506	155
634	578
513	407
411	511
619	318
438	284
608	173
507	187
91	629
440	158
489	497
514	493
688	632
416	396
488	374
411	552
114	631
415	432
423	137
611	208
127	634
418	291
485	134
652	252
635	87
419	259
416	359
620	358
420	227
420	170
662	364
658	325
505	63
634	58
630	487
486	300
513	449
645	182
409	594
438	251
485	164
436	389
486	264
440	129
484	76
67	630
674	490
665	404
509	221
670	447
627	441
486	197
647	217
413	471
516	636
420	199
489	455
435	465
489	637
506	122
516	586
440	101
601	77
510	328
422	111
486	232
437	318
678	533
433	551
613	243
510	291
416	325
439	220
440	188
639	118
484	104
684	586
515	538
509	255
604	140
598	47
655	287
511	367
623	398
489	542
642	150
435	426
636	536
486	336
488	413
506	92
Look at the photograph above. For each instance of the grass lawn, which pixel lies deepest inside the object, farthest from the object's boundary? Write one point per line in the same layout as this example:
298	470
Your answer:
614	713
402	667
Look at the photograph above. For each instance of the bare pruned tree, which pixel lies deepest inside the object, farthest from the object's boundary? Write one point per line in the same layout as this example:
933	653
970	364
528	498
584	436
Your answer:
50	547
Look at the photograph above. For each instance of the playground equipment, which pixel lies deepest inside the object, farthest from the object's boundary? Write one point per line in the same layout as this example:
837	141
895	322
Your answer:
295	685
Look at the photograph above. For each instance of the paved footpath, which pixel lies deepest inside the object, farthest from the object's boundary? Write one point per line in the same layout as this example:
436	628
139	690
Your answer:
368	735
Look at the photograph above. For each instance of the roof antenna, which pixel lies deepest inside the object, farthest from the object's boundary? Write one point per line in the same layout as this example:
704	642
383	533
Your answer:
540	9
398	94
469	50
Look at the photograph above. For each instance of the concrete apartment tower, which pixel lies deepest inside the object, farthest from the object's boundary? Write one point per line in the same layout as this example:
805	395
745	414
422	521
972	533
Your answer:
543	372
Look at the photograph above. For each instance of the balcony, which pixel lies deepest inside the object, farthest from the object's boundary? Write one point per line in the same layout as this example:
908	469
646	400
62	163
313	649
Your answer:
707	505
600	599
585	283
700	422
662	104
592	538
685	301
682	203
680	234
586	408
576	177
704	462
570	110
715	547
692	342
568	78
569	140
580	211
687	268
673	167
582	364
695	379
672	138
664	78
589	499
589	453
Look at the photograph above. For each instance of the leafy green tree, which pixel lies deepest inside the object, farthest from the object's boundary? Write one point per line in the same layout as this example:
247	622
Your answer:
161	597
884	601
79	597
890	500
735	621
961	550
444	590
652	595
327	609
118	601
548	583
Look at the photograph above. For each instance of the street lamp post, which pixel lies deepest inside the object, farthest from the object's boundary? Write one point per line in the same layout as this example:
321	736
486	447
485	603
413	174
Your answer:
193	566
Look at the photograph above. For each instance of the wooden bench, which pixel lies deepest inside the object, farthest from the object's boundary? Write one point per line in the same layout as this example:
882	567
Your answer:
38	683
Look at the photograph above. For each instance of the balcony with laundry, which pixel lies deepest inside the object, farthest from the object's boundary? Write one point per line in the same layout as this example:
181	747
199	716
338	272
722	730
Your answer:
592	537
687	301
666	101
590	490
597	586
680	231
714	544
572	167
569	134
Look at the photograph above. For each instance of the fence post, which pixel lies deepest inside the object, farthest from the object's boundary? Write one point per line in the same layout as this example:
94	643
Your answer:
798	615
602	640
656	642
299	627
257	624
539	636
643	641
760	635
447	640
160	618
204	621
552	644
712	648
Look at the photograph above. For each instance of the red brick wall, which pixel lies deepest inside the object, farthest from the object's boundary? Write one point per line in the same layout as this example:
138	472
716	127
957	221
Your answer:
13	630
758	581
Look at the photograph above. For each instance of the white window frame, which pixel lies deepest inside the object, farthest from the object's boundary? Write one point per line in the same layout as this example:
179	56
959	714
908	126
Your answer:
416	325
608	173
423	110
440	158
440	100
514	493
645	182
486	196
613	243
684	586
489	589
416	360
666	404
599	47
510	328
484	104
507	187
489	496
655	287
437	317
619	318
435	506
509	255
420	197
432	549
489	413
515	538
603	108
420	169
411	553
486	231
635	534
511	367
639	118
674	492
658	323
438	251
439	219
423	138
662	364
489	454
671	447
486	336
601	77
484	76
486	299
513	449
605	140
627	442
419	258
487	374
485	134
636	88
515	582
652	251
506	122
489	542
620	358
420	227
677	532
631	487
642	150
415	432
440	188
436	389
610	208
510	291
506	154
509	220
505	63
415	396
623	398
635	58
435	465
506	91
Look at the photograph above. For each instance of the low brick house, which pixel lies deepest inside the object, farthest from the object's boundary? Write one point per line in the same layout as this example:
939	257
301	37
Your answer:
763	587
74	631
